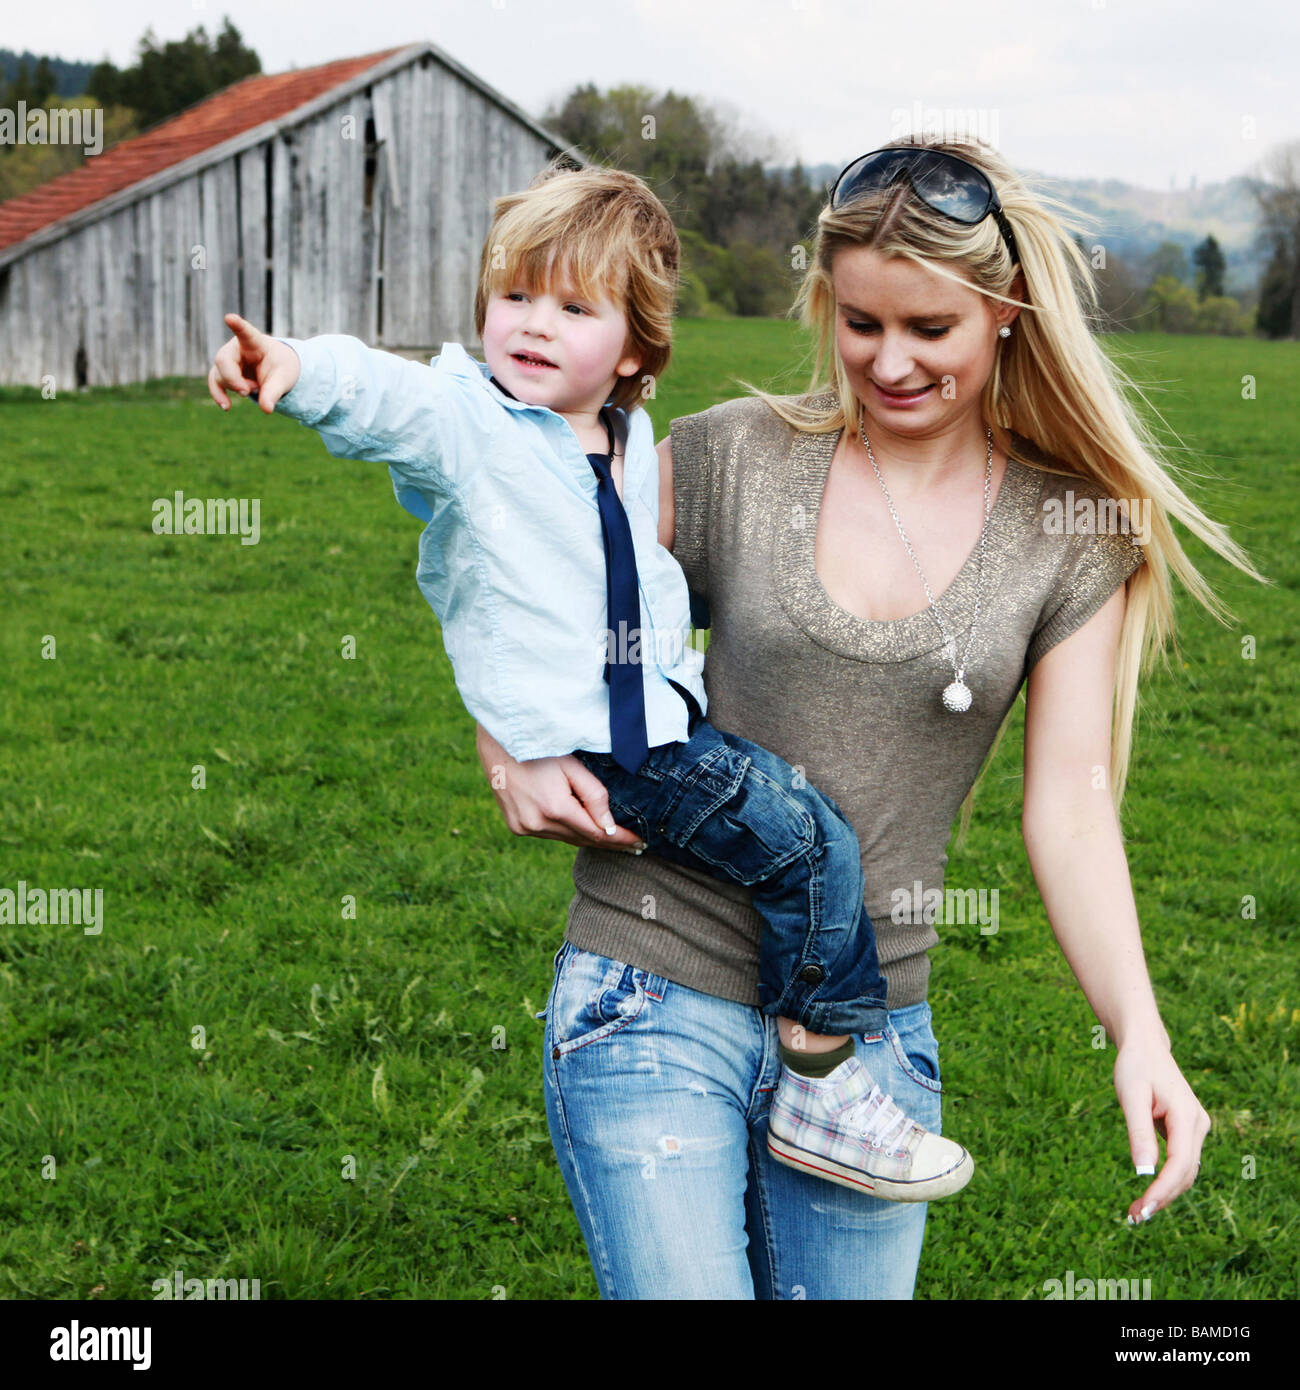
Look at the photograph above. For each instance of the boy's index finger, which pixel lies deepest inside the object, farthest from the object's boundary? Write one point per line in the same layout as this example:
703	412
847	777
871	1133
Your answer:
244	331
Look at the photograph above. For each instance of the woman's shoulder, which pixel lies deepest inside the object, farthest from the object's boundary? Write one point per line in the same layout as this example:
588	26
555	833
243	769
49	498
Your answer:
1057	476
1075	519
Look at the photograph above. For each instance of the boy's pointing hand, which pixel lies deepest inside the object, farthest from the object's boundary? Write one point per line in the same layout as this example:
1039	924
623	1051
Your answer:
253	364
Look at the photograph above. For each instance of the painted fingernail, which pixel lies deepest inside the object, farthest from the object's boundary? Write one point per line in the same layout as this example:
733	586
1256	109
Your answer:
1146	1170
1131	1219
1145	1213
610	829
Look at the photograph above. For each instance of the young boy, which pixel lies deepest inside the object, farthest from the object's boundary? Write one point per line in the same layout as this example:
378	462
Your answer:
567	624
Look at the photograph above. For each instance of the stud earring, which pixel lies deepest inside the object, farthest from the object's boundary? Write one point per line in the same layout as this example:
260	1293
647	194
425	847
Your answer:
1004	331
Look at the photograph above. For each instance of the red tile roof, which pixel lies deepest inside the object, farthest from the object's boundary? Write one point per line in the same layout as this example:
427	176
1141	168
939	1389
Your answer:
242	106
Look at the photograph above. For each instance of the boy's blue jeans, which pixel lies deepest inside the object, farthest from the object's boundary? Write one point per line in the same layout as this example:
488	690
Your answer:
724	806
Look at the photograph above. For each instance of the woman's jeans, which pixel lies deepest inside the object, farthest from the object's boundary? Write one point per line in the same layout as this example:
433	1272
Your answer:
657	1099
724	806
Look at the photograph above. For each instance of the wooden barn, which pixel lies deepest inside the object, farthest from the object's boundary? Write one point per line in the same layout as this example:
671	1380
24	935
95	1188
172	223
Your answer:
348	198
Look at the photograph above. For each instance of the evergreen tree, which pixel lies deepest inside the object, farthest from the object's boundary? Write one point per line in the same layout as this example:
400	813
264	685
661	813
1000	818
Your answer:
42	83
1210	266
1279	292
105	84
21	89
1278	196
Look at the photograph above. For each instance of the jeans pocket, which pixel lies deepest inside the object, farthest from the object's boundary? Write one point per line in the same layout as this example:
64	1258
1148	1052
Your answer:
916	1050
595	997
733	816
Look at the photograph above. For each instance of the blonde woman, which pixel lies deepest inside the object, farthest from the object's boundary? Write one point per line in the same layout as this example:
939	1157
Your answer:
883	575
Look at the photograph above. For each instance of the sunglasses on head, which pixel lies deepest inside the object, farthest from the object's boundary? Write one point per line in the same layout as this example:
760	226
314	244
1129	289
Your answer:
951	186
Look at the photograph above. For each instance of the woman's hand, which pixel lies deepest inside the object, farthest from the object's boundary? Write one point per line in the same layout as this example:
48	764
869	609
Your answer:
554	798
252	363
1155	1096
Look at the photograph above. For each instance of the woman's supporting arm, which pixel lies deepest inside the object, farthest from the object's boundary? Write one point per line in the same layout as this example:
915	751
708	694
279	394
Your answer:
667	503
554	798
1073	841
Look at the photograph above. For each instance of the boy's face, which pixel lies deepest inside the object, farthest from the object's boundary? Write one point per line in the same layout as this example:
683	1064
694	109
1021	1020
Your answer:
553	347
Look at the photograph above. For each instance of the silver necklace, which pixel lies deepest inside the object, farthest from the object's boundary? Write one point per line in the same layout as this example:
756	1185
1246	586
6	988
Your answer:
956	696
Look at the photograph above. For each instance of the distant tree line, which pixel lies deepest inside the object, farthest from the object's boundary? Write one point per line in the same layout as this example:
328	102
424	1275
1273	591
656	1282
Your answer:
164	79
31	87
1163	294
744	229
69	79
1159	293
167	78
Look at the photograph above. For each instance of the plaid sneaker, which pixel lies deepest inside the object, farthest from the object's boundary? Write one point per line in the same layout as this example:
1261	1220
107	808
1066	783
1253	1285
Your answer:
845	1129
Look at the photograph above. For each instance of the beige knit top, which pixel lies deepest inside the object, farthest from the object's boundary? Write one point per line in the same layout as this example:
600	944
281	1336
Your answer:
854	703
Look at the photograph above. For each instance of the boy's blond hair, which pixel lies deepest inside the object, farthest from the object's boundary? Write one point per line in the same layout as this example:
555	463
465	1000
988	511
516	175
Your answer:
613	239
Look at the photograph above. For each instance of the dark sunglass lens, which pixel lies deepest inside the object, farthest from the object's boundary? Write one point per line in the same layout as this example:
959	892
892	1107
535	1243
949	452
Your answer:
953	188
871	172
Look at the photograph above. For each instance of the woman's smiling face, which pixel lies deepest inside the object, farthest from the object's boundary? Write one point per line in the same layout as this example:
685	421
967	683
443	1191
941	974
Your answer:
917	347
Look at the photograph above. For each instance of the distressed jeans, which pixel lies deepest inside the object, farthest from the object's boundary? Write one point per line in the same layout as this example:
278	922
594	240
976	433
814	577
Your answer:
724	806
657	1099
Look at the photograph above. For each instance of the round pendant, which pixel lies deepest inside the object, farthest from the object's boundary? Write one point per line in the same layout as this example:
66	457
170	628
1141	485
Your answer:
957	697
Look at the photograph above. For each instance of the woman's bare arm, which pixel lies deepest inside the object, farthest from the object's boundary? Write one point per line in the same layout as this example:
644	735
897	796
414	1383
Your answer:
1072	838
667	507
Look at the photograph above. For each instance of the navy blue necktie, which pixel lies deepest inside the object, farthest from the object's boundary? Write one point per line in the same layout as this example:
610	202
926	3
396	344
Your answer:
625	678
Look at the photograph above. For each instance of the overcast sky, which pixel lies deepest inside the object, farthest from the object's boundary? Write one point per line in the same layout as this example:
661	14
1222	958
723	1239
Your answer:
1150	91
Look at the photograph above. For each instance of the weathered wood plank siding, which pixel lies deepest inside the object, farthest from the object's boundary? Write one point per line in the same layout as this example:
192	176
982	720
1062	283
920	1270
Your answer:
140	291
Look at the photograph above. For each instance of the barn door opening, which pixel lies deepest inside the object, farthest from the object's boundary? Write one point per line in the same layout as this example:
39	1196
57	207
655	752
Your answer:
269	220
381	192
376	218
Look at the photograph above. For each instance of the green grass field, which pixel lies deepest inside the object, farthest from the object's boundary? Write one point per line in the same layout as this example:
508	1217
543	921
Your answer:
223	1153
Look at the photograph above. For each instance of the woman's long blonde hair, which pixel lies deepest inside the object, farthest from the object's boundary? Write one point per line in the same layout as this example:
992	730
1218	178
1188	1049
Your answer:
1051	383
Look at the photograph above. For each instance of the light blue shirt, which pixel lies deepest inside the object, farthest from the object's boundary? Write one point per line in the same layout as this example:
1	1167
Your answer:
512	558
